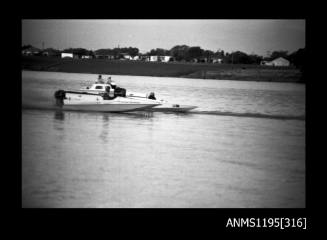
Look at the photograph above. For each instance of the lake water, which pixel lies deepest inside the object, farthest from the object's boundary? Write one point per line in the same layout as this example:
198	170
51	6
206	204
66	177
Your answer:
244	146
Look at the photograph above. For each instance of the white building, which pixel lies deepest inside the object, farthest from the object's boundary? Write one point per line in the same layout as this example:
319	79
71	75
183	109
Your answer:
129	57
145	58
86	57
153	58
217	60
125	56
277	62
165	58
160	58
67	55
135	58
31	51
110	57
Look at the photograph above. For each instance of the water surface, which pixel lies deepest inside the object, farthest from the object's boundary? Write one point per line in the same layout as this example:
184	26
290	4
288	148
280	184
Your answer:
243	147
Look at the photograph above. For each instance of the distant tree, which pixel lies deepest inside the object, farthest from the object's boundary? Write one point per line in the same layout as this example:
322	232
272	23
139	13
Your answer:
154	52
104	51
116	52
77	51
159	52
91	53
130	50
219	54
26	46
255	59
194	52
67	50
208	54
179	52
298	58
227	58
133	51
51	52
239	57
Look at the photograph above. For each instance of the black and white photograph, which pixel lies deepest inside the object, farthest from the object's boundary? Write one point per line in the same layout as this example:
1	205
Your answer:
163	113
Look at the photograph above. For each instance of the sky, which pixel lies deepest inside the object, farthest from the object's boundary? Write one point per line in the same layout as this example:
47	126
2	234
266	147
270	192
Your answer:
249	36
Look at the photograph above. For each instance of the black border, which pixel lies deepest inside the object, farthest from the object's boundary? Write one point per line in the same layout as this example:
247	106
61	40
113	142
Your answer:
188	220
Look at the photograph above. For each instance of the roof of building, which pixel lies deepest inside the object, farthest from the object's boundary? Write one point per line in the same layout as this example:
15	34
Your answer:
32	49
280	59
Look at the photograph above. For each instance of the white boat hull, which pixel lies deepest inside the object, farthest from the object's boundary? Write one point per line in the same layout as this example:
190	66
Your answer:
163	106
171	108
107	107
95	103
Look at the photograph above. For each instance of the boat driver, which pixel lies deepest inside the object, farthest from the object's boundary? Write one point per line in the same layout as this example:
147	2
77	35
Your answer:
100	80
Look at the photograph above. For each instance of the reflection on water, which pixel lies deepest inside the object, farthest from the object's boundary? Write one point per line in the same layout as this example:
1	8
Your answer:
139	114
105	126
58	121
59	115
161	160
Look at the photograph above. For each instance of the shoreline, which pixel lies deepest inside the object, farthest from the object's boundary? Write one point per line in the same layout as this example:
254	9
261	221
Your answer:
236	72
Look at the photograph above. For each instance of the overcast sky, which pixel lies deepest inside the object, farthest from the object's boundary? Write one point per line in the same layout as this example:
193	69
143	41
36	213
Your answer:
250	36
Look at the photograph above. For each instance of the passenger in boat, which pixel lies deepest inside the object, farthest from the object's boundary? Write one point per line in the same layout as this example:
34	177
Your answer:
151	96
111	83
100	80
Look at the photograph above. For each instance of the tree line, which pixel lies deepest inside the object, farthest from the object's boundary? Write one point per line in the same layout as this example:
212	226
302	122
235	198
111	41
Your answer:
186	53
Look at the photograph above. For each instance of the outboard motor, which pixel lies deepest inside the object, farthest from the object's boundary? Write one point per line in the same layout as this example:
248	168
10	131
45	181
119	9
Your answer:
109	94
151	96
60	95
120	92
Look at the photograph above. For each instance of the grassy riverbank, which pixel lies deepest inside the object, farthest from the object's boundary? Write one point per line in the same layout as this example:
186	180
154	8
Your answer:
172	69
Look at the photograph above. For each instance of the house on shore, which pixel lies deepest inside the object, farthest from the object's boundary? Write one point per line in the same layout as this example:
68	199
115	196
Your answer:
280	62
135	58
75	56
200	60
108	56
160	58
144	58
125	56
153	59
86	57
165	58
50	52
217	60
31	51
68	55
